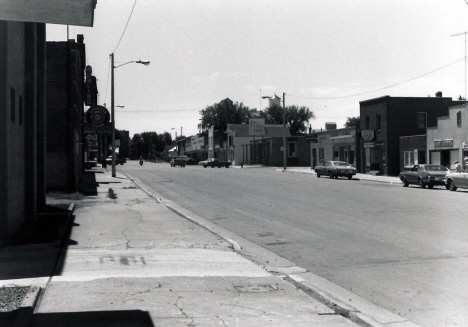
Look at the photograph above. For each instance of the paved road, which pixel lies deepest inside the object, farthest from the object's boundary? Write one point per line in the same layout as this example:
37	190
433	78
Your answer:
404	249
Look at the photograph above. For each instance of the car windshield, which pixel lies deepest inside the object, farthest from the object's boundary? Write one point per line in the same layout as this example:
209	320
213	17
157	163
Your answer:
341	164
436	168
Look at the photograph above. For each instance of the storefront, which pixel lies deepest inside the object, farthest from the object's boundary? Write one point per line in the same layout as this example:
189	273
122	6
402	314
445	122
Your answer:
448	142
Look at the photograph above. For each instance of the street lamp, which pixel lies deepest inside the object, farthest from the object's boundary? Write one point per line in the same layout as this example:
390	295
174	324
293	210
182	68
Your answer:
143	62
284	127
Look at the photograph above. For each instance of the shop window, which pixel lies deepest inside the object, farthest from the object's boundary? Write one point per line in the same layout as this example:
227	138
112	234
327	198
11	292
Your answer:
321	154
379	122
459	119
422	120
409	159
367	122
20	110
12	105
292	152
421	157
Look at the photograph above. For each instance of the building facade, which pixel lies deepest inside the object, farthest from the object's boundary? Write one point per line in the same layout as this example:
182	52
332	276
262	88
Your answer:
335	144
384	120
447	142
412	151
65	111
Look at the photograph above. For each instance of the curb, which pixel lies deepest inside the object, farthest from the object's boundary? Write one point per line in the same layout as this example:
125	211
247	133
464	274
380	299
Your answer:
25	312
60	237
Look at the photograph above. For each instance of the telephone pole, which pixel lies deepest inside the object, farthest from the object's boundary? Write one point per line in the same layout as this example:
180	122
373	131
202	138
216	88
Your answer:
464	33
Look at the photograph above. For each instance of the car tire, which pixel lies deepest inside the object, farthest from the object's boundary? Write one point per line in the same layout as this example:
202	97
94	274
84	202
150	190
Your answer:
421	183
318	175
212	166
430	186
447	187
452	186
205	166
331	175
405	183
219	166
227	166
350	177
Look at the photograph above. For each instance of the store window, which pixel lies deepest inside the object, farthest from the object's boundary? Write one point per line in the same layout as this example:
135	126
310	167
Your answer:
321	154
367	122
292	149
409	159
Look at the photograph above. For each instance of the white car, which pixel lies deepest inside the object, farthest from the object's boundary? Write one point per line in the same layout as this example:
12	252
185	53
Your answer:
456	180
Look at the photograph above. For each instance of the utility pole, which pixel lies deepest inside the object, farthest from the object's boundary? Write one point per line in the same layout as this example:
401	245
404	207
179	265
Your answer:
284	130
112	115
464	33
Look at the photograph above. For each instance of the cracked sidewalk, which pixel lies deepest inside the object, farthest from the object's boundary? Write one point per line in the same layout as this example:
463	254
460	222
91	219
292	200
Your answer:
131	261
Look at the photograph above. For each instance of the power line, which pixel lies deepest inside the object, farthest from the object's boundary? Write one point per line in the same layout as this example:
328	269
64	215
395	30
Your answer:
125	26
383	88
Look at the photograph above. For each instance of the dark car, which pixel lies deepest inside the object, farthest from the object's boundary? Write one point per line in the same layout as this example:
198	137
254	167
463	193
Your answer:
191	161
424	175
177	161
334	169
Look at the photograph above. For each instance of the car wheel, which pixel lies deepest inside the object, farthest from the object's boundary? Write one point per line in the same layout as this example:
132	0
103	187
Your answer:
405	183
227	166
447	187
212	166
219	166
318	175
421	183
452	186
431	186
331	175
350	177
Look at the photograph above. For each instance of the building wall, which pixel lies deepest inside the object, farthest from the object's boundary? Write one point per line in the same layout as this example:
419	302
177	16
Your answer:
447	142
339	144
20	83
416	146
65	76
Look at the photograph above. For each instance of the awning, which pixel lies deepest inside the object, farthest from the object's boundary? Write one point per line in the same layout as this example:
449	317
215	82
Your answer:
65	12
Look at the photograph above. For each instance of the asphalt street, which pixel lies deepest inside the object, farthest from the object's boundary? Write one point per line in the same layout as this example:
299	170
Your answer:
404	249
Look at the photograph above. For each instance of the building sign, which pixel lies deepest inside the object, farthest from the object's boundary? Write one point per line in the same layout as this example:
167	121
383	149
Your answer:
312	138
443	144
256	127
197	142
369	145
341	135
367	134
97	117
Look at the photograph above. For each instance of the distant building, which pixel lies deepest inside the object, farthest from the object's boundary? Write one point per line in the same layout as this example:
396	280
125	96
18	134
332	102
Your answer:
384	120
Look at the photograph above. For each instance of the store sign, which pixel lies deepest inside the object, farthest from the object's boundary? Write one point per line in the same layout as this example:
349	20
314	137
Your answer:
256	127
341	135
97	117
197	142
443	144
367	134
369	145
312	138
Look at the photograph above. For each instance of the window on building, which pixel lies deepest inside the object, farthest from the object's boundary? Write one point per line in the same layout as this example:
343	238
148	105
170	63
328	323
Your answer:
421	157
292	152
409	159
459	119
12	105
367	122
320	153
20	110
422	120
379	122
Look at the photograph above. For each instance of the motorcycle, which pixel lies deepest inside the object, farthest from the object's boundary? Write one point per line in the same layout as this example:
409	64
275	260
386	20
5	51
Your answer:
141	162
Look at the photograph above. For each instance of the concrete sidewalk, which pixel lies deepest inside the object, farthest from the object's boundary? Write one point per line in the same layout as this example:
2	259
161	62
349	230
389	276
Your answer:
136	259
366	177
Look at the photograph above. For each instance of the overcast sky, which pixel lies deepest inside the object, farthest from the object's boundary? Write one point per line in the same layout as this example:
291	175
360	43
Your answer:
204	51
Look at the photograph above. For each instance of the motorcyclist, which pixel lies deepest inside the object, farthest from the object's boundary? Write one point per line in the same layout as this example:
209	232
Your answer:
141	161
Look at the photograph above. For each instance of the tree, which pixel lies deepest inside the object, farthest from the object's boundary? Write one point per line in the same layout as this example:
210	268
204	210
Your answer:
353	121
296	117
149	145
225	112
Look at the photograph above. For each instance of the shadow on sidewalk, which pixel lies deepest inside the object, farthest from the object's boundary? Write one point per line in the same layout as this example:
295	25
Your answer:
88	184
130	318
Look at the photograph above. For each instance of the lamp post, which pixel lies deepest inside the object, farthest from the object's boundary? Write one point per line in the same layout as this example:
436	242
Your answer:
143	62
284	127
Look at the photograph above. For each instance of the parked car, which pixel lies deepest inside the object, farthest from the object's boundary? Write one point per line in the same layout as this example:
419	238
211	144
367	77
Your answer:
177	161
334	169
191	161
424	175
90	164
214	162
456	180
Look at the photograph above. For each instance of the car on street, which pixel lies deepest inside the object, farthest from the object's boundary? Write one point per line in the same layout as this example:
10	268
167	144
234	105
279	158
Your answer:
335	169
177	161
118	161
425	175
456	180
191	161
214	162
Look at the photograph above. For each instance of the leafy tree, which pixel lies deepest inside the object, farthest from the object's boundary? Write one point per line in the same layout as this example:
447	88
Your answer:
296	117
353	121
225	112
149	145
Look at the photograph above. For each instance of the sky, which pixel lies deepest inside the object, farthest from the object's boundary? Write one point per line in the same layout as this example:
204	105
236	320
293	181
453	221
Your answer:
327	55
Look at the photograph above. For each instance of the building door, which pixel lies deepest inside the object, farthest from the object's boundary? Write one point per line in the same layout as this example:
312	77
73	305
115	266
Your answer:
445	158
314	158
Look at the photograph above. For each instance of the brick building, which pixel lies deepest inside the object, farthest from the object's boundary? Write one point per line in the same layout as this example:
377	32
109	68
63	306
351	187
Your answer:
412	151
384	120
65	76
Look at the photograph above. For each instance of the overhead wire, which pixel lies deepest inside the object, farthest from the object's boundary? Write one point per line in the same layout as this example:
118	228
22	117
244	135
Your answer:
380	89
126	25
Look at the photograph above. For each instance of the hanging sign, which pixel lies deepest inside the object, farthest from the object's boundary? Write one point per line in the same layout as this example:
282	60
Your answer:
97	117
